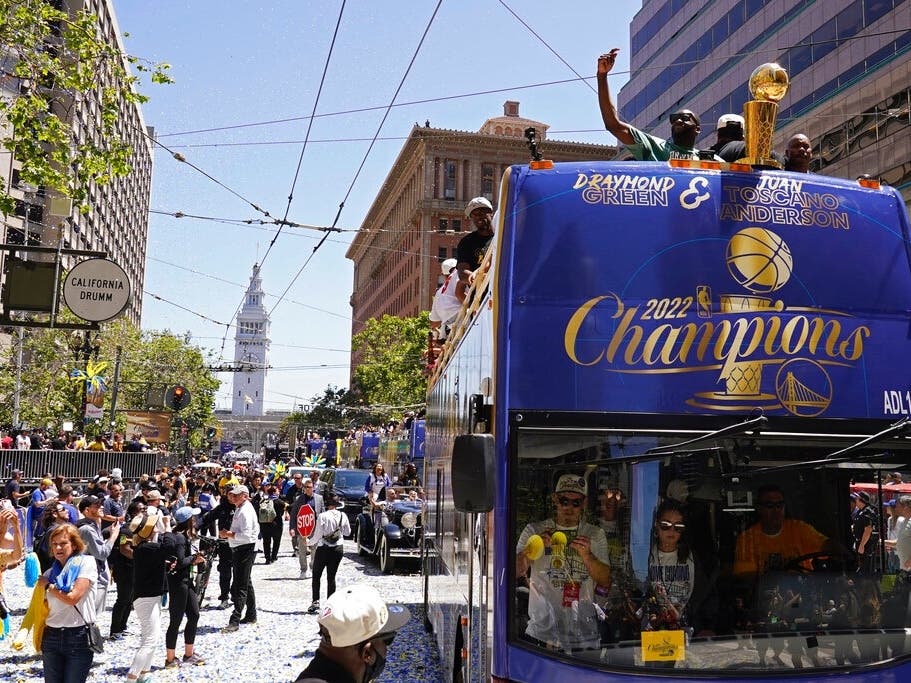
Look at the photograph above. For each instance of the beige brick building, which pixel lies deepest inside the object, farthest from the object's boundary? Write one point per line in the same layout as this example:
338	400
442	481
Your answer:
417	218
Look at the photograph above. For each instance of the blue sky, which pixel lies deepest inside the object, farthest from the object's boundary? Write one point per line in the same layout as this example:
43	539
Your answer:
241	63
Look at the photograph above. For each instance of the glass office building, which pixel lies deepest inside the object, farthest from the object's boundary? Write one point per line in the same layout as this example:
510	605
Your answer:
848	61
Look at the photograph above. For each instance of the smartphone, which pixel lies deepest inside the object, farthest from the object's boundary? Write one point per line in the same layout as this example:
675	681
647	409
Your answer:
6	504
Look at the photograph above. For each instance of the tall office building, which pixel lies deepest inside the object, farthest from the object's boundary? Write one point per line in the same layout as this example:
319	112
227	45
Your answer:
847	61
417	218
118	212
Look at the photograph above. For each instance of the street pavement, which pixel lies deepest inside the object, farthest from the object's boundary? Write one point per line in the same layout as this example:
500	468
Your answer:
277	648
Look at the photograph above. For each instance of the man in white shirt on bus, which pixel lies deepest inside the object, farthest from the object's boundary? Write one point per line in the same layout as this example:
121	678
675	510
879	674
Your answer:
568	558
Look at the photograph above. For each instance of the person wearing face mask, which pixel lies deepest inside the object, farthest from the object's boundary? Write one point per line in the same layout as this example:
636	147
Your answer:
357	629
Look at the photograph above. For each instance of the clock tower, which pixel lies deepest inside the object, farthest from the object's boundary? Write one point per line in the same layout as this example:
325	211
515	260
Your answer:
251	351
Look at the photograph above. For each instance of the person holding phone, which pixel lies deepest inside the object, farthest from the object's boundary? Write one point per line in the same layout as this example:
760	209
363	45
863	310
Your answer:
182	598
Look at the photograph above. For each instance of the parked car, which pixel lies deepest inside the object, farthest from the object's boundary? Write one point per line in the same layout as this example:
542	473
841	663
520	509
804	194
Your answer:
348	484
399	537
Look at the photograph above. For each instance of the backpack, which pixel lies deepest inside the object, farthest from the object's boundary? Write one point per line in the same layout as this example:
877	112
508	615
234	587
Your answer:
266	511
336	535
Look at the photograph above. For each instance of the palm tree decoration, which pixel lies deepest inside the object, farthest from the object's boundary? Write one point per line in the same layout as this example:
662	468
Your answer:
95	384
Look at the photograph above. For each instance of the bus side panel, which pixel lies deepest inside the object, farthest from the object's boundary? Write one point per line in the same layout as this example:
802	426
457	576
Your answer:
446	531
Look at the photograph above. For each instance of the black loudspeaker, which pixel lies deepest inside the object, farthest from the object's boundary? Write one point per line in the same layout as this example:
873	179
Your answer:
473	472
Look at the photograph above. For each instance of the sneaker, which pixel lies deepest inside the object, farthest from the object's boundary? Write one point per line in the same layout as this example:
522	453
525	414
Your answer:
116	636
231	627
248	620
193	660
172	663
313	608
224	604
144	678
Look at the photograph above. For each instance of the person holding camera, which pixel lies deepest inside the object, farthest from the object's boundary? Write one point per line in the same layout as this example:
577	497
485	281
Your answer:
331	527
182	598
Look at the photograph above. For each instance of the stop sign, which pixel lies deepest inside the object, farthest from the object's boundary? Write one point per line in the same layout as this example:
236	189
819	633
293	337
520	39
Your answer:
306	520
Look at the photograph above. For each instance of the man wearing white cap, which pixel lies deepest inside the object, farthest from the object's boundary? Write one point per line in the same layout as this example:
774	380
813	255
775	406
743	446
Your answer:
357	627
567	559
446	304
242	539
471	248
729	144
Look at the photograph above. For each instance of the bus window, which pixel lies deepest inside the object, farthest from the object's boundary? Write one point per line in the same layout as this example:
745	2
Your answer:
736	556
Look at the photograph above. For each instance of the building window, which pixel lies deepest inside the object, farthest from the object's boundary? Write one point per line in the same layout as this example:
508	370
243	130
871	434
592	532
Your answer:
449	179
487	173
443	225
441	253
457	224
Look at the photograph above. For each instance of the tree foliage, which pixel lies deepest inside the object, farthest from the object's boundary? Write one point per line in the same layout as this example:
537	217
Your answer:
50	60
334	409
49	397
389	370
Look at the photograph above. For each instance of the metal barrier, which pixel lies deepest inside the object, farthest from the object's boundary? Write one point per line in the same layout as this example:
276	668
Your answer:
82	464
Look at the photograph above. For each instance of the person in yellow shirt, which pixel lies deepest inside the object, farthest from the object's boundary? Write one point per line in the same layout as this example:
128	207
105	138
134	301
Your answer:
774	540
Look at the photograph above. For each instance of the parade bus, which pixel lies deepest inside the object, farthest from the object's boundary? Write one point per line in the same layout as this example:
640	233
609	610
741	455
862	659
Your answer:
680	372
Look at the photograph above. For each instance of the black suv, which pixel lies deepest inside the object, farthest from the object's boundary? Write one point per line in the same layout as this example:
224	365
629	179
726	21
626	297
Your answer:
348	485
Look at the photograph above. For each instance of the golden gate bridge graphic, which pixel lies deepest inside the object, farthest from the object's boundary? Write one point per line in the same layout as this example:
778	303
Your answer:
798	398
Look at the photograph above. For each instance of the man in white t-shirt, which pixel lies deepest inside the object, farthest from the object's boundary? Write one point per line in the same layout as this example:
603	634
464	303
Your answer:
563	576
446	305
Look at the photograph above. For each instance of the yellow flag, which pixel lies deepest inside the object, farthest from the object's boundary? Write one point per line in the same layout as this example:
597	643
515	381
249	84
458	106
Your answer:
663	646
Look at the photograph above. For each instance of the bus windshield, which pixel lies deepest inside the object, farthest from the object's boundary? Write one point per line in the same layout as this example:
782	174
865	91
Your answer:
747	553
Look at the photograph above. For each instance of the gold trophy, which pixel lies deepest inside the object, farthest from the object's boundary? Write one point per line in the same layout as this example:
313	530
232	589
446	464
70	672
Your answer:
768	85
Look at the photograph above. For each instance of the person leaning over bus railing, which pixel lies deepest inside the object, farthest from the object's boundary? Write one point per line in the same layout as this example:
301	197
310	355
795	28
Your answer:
471	248
567	558
685	125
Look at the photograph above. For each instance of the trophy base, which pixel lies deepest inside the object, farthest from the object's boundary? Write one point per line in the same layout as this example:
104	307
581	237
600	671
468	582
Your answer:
760	162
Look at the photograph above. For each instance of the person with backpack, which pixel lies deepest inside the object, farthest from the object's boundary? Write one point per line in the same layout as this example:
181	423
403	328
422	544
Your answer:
271	516
331	527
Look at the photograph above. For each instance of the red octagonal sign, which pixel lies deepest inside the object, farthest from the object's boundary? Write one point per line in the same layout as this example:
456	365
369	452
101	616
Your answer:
306	520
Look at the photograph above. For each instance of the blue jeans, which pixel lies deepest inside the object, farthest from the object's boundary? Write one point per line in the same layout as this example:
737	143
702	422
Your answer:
66	655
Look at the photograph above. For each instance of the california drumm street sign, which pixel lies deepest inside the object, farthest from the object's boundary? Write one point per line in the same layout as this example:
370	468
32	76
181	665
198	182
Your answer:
96	290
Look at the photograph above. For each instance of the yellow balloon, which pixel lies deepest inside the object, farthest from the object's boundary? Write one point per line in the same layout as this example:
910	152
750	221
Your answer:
558	538
534	547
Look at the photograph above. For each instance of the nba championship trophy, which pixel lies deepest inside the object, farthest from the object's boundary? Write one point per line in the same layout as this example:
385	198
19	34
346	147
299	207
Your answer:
768	85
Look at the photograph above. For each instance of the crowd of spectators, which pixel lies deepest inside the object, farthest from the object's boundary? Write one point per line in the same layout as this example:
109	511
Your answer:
41	439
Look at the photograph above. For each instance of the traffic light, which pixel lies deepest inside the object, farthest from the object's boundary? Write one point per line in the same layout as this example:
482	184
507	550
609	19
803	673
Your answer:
178	397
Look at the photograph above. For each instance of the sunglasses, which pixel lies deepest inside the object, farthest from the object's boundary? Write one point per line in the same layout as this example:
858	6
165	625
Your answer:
679	527
566	502
772	505
675	118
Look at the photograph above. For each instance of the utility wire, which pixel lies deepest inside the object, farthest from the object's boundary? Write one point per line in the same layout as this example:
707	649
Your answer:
543	84
341	206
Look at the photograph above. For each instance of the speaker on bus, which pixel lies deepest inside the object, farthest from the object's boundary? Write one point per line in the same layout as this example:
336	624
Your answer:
473	472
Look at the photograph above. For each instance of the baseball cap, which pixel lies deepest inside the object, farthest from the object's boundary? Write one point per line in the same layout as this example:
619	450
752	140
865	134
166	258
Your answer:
16	472
477	203
153	494
358	613
88	501
571	483
238	489
184	513
890	503
448	265
730	121
862	495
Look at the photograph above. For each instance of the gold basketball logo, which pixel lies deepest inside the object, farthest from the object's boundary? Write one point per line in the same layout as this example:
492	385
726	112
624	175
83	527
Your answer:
759	260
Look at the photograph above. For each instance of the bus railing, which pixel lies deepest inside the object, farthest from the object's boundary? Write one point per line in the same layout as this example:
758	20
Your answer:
84	465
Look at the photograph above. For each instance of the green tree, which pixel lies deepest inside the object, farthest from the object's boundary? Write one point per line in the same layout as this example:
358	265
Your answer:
327	411
54	59
389	370
49	396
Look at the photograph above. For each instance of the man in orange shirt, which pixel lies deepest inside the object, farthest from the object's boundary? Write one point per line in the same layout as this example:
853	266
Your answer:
774	541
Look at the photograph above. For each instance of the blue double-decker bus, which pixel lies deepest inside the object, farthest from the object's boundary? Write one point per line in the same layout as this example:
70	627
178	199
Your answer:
644	433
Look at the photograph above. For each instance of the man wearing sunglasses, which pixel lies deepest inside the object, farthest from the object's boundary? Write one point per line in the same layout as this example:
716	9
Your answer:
564	559
685	126
774	540
357	629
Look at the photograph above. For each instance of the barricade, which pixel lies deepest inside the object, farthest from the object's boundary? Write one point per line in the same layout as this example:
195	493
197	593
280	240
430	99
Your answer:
82	465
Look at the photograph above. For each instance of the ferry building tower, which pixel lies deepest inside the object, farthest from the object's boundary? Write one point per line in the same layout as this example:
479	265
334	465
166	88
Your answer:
251	349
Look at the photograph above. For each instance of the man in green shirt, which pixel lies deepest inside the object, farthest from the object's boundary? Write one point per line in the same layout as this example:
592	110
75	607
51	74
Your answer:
644	147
